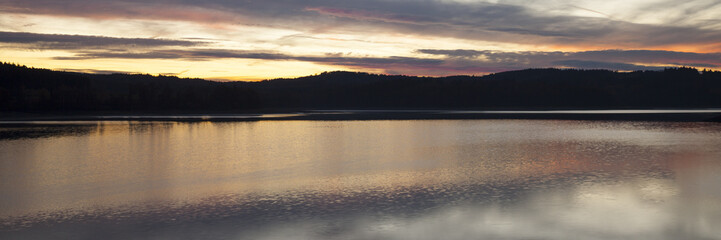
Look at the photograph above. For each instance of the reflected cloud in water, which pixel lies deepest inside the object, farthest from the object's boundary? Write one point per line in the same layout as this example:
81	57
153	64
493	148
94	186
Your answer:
477	179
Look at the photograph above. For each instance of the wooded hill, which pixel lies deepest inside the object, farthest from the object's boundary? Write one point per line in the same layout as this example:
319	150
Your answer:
38	90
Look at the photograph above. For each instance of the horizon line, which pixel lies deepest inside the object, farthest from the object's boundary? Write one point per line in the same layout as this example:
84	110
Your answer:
255	79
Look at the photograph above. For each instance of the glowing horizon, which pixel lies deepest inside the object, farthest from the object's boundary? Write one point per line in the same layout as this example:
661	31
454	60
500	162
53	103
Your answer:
248	40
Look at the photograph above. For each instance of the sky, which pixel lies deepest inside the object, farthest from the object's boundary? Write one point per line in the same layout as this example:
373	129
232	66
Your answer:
263	39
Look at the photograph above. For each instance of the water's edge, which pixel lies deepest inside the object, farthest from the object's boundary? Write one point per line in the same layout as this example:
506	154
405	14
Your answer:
695	115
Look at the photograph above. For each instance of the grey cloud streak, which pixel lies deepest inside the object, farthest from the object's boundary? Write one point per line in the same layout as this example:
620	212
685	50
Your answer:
210	54
606	59
60	41
388	63
446	62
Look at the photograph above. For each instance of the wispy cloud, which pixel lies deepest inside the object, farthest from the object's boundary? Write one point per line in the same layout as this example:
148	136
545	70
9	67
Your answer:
60	41
108	9
441	62
359	14
605	59
391	62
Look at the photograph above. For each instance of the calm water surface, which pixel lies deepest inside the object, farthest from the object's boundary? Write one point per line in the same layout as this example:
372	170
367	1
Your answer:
434	179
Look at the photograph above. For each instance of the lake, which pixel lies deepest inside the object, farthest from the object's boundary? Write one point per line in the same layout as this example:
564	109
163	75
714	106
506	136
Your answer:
382	179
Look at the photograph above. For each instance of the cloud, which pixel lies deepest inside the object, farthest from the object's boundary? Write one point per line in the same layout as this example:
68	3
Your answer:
407	64
505	21
369	15
656	56
604	59
443	62
109	9
68	42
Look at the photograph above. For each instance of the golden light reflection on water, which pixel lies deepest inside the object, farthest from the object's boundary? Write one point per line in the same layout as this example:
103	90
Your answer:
597	176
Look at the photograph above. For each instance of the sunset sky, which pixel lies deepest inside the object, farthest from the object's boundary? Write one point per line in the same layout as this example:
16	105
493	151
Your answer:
262	39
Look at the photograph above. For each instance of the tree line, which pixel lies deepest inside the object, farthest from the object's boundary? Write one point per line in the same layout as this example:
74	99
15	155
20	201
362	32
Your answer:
41	90
524	89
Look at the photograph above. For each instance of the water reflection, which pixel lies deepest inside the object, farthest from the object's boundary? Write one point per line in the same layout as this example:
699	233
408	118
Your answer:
479	179
20	131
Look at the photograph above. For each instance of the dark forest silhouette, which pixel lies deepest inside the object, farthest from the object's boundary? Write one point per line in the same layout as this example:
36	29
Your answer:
41	90
38	90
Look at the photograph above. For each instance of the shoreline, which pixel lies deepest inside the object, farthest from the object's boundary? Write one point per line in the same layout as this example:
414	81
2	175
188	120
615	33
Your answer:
696	115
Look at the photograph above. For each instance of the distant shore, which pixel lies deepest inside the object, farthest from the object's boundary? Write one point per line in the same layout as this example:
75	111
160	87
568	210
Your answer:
701	115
